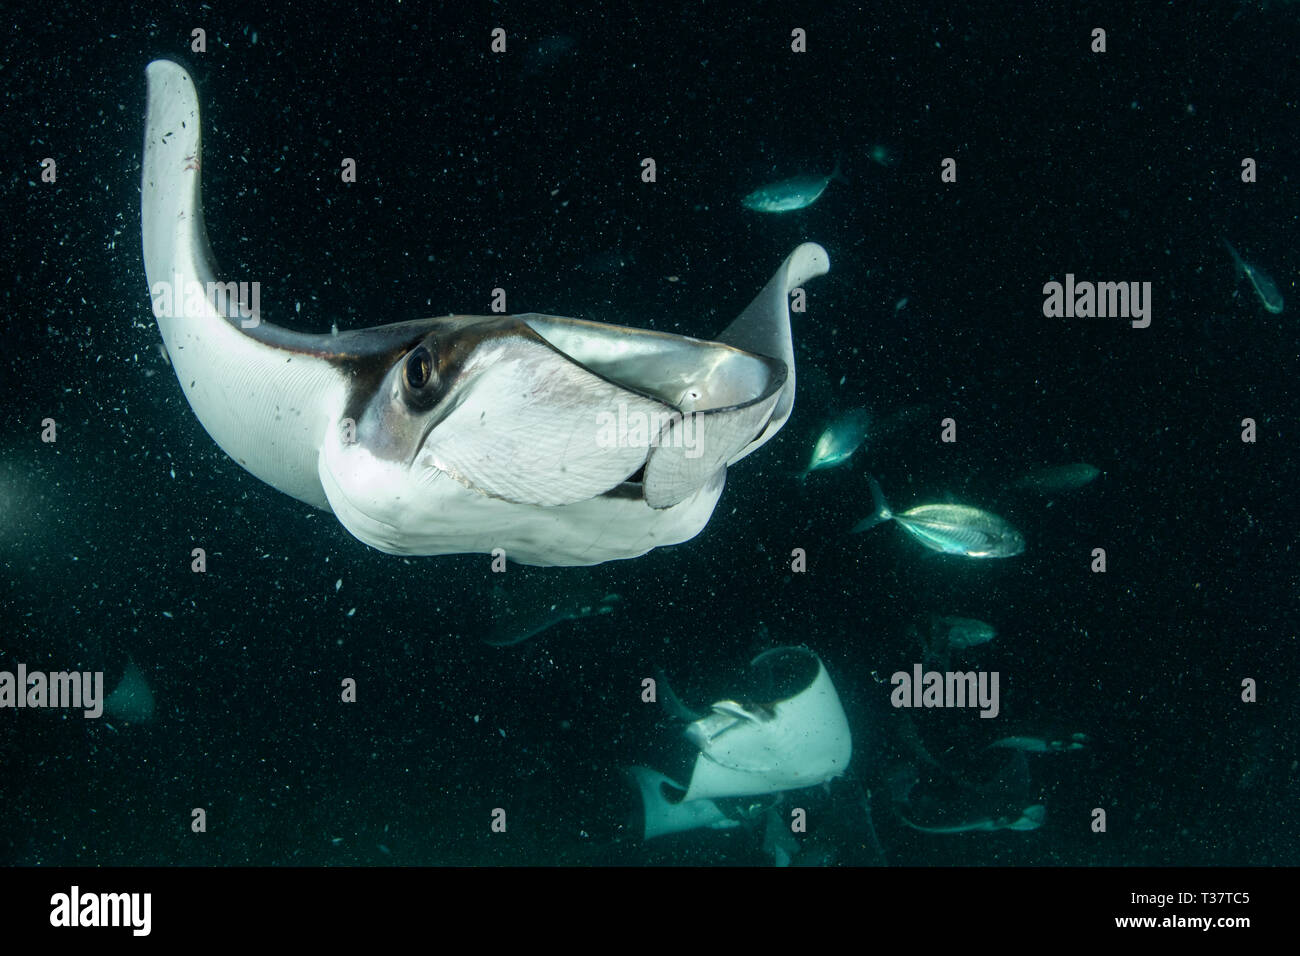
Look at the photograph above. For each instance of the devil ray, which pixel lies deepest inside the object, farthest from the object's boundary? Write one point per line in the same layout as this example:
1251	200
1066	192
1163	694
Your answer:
462	433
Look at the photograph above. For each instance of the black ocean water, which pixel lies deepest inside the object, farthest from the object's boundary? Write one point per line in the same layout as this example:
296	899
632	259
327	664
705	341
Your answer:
522	171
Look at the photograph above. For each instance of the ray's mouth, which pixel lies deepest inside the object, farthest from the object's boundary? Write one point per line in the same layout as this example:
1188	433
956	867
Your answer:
685	373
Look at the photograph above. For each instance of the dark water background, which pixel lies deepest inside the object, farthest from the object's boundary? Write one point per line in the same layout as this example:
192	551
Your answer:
522	171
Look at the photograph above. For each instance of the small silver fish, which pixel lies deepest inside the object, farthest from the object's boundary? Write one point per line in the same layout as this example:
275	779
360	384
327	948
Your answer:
530	607
839	441
961	632
1050	481
790	194
1041	745
948	634
949	529
1031	818
1265	287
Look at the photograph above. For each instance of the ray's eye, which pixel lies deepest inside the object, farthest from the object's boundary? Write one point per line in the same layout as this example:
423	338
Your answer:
419	374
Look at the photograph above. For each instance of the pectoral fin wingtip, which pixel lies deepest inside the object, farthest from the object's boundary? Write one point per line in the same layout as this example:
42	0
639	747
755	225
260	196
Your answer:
807	261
